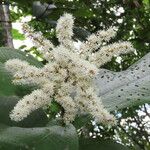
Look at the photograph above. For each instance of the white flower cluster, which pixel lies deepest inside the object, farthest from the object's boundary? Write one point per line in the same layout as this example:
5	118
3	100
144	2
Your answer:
107	52
68	76
44	45
95	41
64	30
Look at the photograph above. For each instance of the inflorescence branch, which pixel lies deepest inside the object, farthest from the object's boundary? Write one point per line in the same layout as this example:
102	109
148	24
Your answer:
68	76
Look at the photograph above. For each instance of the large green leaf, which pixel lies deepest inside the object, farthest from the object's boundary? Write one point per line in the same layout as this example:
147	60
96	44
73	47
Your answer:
51	137
96	144
6	86
126	88
36	119
10	53
41	138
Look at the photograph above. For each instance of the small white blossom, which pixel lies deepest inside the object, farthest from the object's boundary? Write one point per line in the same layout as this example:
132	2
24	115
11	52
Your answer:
68	76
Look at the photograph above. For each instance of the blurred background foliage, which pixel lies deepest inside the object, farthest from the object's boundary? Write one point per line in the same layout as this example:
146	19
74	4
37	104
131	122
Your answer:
131	17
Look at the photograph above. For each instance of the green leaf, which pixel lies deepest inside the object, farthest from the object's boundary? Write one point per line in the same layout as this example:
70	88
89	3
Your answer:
17	36
96	144
10	53
81	120
41	138
36	119
6	86
122	89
